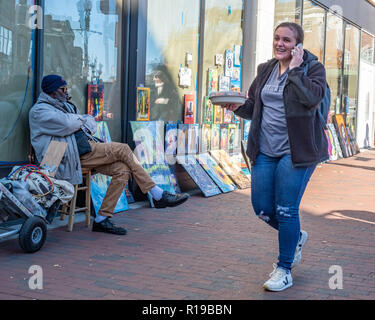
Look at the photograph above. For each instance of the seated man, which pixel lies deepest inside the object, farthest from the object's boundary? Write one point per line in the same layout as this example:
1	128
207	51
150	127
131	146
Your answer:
54	117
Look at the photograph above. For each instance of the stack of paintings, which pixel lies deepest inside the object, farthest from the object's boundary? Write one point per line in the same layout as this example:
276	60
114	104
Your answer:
216	172
198	175
231	168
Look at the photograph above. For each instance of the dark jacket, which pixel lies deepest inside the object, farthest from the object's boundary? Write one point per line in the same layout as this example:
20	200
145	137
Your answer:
302	95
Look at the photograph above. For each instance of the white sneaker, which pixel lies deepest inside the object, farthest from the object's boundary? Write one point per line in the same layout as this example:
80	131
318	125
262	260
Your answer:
298	252
280	279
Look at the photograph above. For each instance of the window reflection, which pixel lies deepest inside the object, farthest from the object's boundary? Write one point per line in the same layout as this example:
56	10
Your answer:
350	80
313	26
15	79
287	10
172	38
81	43
223	33
333	59
367	47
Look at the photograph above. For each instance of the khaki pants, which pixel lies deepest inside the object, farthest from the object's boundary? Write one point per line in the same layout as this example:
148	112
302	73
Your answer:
118	161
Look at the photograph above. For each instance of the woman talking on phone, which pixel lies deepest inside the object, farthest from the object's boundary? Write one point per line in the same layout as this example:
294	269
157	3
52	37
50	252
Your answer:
286	142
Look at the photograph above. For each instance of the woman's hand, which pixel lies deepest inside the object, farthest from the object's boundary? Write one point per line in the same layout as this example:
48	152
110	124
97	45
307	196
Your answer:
297	57
231	107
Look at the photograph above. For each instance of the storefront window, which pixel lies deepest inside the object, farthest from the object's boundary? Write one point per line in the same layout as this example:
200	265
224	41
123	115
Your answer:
287	10
350	80
333	59
172	56
15	79
82	43
367	47
223	48
313	26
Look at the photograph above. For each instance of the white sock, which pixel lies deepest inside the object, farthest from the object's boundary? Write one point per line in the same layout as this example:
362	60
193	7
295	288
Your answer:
100	218
156	193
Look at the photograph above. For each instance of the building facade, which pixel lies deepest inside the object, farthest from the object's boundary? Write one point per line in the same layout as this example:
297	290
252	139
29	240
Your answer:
176	48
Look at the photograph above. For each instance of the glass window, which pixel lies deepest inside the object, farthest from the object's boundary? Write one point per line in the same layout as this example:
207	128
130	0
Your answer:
82	43
287	10
223	42
367	47
313	26
15	79
333	59
171	56
350	80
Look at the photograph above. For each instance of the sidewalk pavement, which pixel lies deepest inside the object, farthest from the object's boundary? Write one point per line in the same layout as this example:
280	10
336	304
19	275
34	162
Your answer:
212	248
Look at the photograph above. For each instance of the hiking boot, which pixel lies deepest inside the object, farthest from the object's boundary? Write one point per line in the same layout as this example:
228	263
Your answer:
170	200
108	227
280	279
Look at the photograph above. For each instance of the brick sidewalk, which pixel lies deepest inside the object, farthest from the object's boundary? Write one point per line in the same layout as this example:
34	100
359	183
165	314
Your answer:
211	248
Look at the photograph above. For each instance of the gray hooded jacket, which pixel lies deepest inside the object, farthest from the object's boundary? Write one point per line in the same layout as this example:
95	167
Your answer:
48	121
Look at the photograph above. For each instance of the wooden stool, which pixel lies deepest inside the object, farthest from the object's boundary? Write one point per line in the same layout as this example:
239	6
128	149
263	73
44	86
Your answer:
86	176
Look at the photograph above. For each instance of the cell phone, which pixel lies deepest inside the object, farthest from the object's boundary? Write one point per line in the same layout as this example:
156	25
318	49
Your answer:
300	45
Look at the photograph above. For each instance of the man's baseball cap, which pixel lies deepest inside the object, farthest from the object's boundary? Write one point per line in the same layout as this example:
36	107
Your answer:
52	82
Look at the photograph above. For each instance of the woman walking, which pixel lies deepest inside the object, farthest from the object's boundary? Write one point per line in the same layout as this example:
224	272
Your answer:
286	142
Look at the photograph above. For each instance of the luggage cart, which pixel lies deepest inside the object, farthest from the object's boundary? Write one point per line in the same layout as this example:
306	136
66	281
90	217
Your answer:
32	233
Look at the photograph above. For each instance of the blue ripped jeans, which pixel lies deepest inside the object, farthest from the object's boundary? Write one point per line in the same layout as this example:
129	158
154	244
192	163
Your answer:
276	192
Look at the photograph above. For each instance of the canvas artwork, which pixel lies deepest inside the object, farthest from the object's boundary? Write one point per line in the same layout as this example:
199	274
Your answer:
237	55
170	142
243	151
215	172
100	182
193	139
205	138
224	83
339	123
246	129
236	79
149	151
228	69
198	175
235	119
188	139
95	106
189	108
234	137
185	77
331	146
143	104
208	111
224	136
212	80
352	140
99	186
215	136
332	130
238	158
233	169
218	114
227	115
219	59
